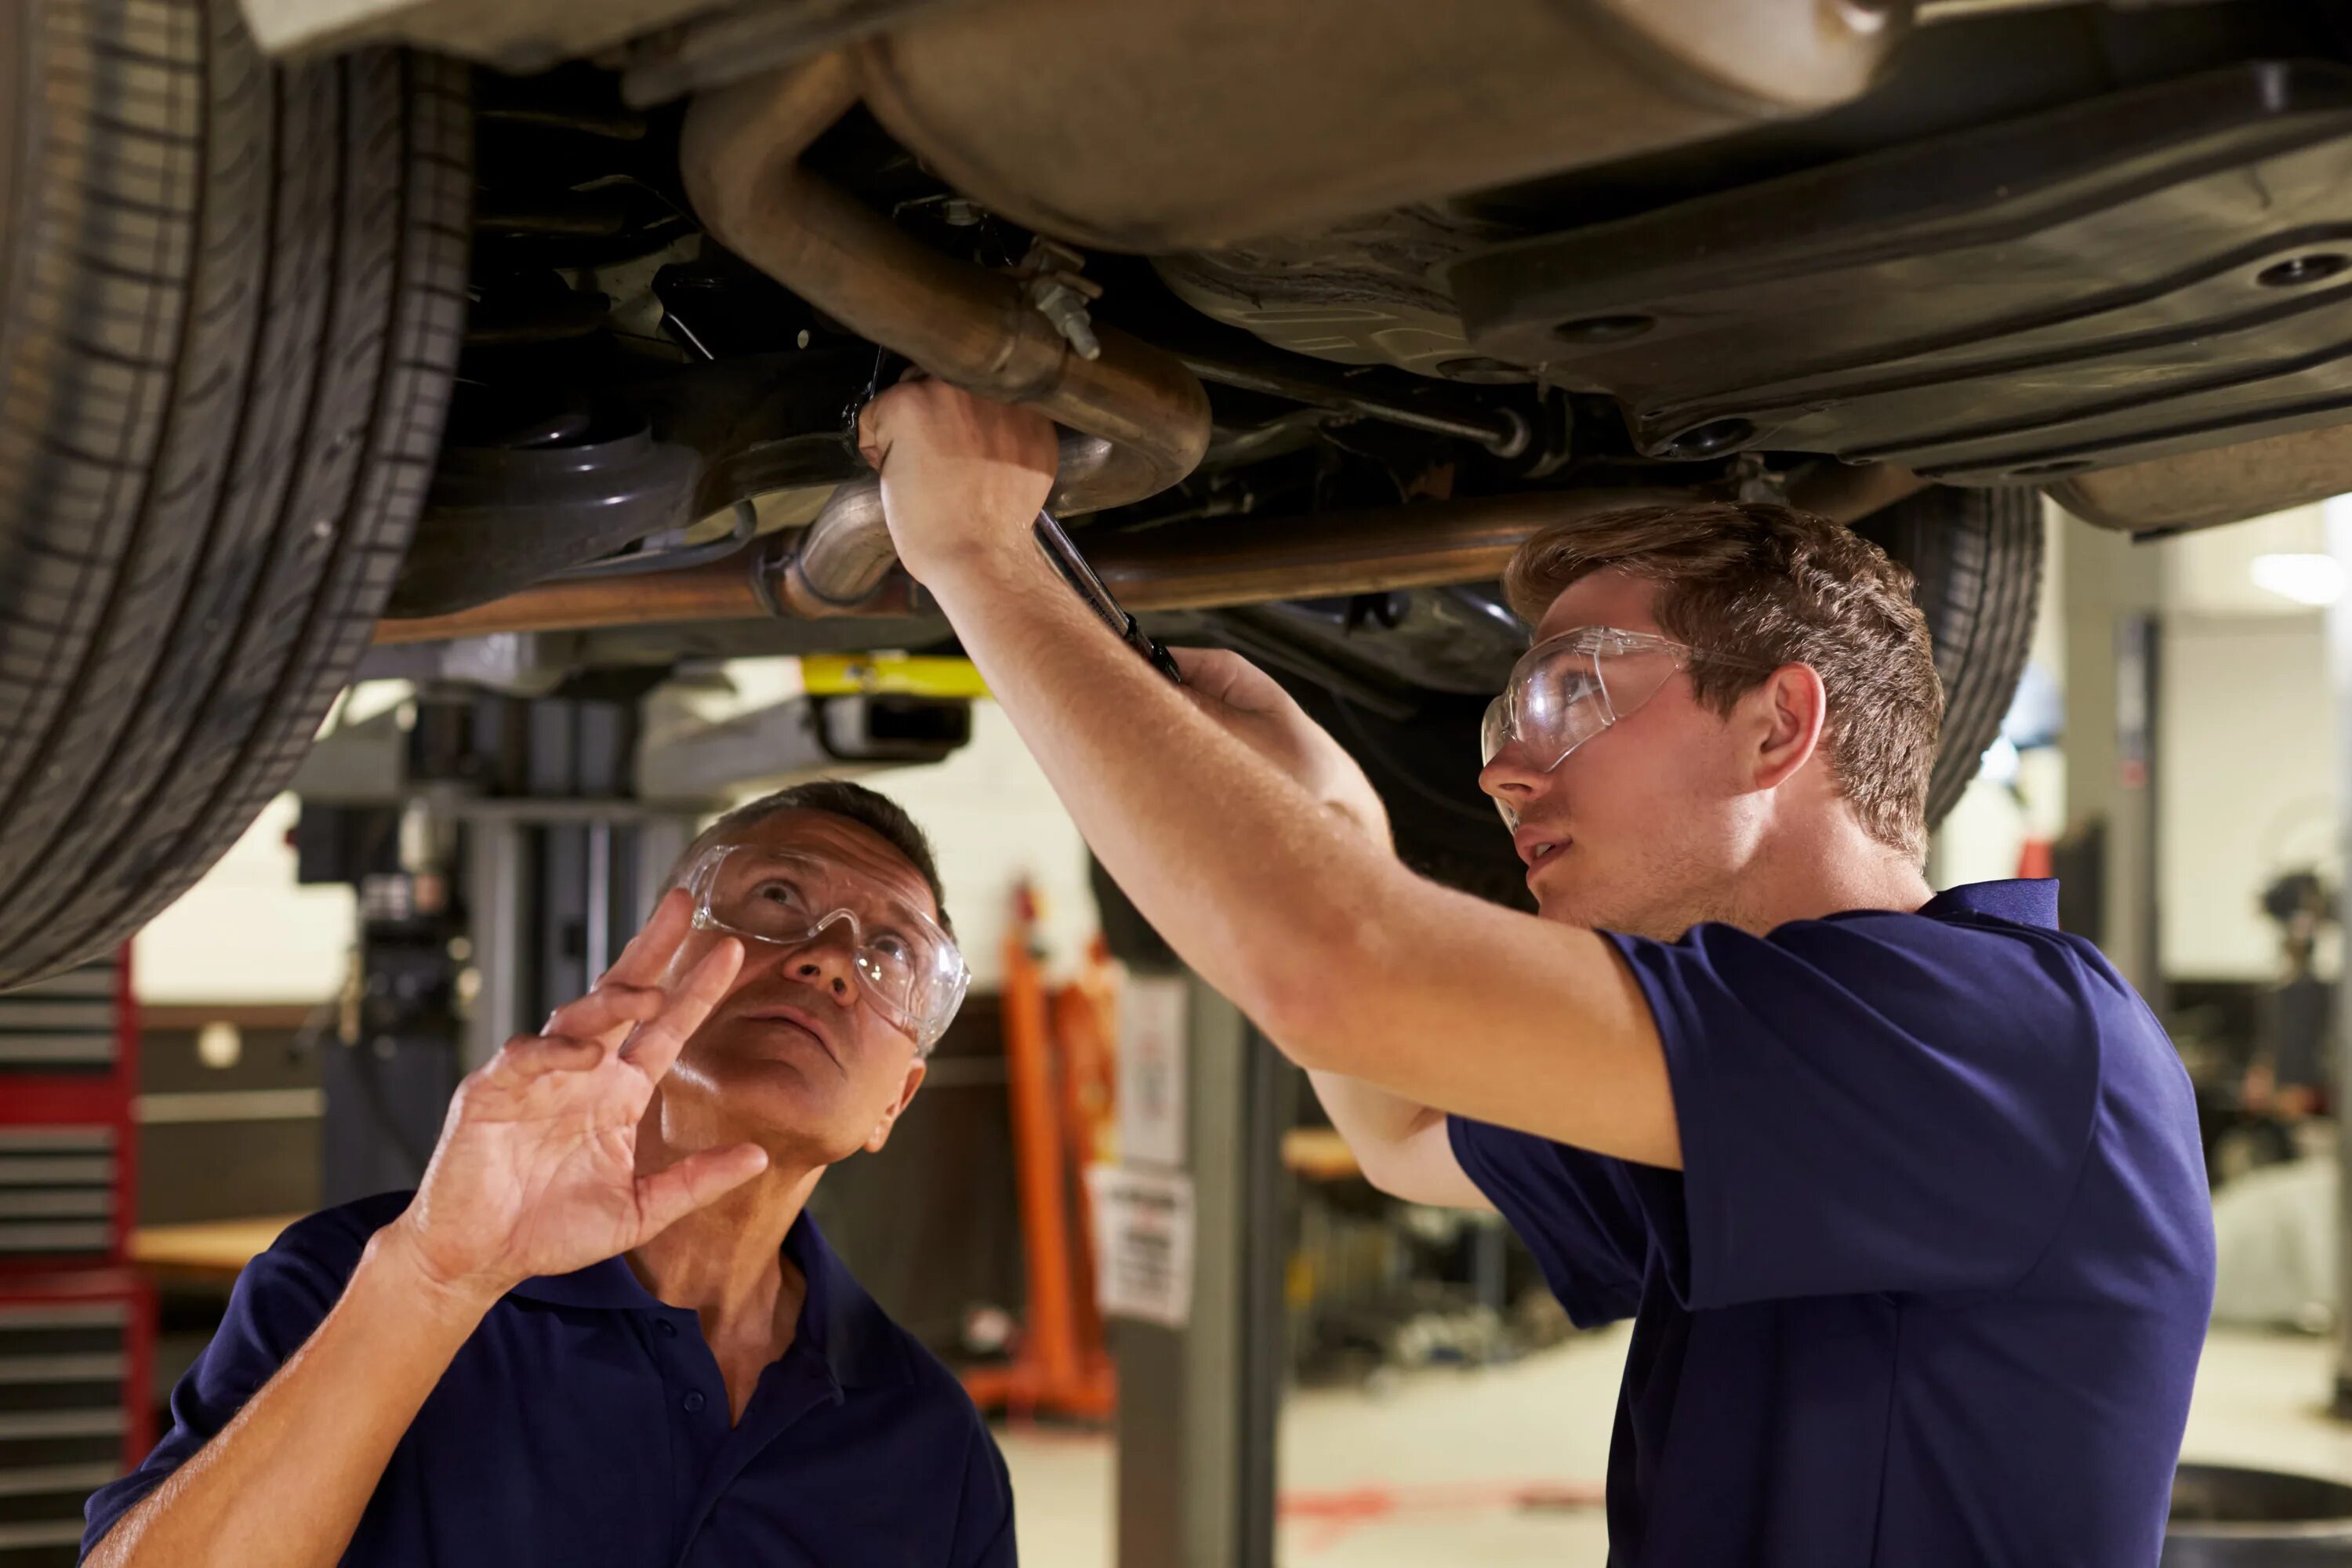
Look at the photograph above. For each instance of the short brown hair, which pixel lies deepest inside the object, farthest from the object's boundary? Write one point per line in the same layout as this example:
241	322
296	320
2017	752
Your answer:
1772	585
877	813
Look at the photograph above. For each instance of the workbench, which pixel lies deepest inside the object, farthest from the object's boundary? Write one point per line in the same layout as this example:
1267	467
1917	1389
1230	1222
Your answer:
210	1252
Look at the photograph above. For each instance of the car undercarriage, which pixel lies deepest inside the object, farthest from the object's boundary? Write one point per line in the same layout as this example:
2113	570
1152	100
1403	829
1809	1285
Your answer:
1334	303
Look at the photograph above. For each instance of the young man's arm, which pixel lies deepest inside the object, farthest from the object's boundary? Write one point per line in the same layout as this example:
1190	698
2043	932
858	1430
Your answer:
1352	963
1402	1144
534	1174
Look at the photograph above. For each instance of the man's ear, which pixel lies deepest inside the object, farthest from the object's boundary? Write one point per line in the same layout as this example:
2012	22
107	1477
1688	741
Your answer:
1792	707
916	1072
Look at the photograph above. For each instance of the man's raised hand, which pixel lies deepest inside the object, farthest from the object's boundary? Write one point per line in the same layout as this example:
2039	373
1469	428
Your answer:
536	1172
960	474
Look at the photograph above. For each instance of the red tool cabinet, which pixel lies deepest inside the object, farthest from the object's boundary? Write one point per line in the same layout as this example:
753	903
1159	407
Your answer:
77	1324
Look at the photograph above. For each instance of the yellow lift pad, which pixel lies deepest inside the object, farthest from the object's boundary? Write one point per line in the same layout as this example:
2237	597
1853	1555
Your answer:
892	675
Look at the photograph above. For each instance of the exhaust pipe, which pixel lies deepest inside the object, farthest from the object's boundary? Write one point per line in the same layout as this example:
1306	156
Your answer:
1240	561
1236	561
1145	413
843	557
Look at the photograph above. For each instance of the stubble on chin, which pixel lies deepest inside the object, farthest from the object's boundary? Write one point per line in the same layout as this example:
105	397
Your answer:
1659	920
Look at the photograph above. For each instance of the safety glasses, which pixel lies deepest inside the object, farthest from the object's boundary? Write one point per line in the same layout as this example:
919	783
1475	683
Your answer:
1568	689
909	968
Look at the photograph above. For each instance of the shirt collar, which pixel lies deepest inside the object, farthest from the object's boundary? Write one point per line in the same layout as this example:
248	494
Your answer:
859	1346
2026	902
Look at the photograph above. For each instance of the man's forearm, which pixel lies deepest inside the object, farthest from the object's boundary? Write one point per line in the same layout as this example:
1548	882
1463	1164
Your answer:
283	1484
1237	865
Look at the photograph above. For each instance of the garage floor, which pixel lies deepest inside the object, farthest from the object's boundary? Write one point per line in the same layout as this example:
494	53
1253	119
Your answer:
1487	1466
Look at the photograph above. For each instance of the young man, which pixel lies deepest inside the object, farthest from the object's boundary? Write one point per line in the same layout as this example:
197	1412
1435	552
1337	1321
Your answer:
1902	1190
603	1330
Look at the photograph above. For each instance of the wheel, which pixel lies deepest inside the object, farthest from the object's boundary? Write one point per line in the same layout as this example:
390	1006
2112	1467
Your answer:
1977	555
230	300
1976	558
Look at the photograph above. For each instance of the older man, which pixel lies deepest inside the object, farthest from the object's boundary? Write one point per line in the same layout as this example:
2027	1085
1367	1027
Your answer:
603	1330
1901	1189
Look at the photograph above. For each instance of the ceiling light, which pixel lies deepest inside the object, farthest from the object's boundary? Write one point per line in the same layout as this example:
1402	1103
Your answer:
2306	579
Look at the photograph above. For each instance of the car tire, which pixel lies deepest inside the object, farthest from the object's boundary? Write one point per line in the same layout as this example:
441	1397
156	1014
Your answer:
231	294
1976	556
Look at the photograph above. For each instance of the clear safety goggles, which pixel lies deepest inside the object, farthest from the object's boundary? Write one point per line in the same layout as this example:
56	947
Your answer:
908	966
1568	689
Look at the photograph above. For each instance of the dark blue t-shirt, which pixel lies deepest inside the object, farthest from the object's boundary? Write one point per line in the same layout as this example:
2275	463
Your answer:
1931	1285
584	1424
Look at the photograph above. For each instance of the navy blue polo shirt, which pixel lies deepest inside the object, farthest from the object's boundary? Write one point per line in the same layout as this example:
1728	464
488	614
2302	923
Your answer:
584	1424
1931	1285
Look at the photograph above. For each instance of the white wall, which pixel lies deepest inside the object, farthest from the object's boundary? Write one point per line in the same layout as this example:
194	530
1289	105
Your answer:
249	931
2246	777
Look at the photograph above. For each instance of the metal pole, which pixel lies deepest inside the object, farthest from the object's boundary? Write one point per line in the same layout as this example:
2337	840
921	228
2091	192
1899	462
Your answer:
2339	679
2139	645
597	938
2112	588
1197	1404
1269	1105
494	900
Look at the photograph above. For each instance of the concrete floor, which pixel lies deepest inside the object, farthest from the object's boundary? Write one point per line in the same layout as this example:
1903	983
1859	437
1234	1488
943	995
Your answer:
1492	1466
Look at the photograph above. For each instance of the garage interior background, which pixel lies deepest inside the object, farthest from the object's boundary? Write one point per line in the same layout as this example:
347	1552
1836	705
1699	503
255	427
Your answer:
2175	753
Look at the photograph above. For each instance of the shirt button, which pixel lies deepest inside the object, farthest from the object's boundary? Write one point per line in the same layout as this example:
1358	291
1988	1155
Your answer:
693	1401
666	1329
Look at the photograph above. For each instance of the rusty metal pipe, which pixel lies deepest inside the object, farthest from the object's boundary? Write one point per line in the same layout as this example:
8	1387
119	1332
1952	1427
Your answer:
1850	492
1240	561
845	555
1249	561
740	155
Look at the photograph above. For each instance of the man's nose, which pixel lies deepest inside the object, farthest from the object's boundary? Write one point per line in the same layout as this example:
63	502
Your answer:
829	960
1514	781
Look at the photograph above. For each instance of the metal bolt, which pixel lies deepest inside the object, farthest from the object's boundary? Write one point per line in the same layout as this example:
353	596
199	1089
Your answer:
1065	308
1061	294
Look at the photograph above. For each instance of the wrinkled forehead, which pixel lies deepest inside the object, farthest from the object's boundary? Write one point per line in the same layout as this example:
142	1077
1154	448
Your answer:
855	852
1613	597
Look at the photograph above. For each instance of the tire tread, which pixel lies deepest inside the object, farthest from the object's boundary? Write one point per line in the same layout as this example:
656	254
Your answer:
1977	556
235	305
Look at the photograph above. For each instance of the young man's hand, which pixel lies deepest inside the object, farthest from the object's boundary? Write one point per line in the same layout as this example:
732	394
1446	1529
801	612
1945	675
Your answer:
536	1172
1245	699
960	475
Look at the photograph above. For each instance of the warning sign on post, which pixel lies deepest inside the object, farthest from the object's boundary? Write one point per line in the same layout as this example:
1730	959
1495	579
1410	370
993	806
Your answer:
1143	1243
1151	1070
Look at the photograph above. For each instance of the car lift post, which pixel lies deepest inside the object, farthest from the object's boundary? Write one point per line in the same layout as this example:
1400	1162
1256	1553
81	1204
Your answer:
1197	1404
